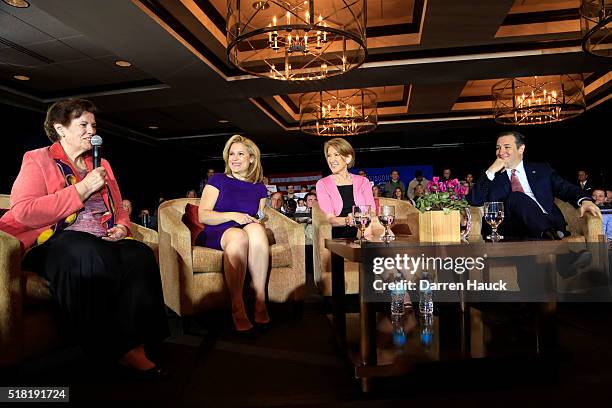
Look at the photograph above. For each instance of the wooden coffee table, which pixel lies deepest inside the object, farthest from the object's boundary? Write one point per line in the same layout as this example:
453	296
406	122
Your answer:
372	342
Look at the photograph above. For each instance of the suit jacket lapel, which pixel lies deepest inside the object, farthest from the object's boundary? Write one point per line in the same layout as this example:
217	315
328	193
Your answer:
532	178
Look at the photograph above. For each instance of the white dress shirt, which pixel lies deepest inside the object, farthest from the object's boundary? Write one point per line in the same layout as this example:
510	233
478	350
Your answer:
522	176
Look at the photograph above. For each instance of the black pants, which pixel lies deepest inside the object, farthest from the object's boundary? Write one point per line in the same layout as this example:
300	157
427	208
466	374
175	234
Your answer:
523	218
108	293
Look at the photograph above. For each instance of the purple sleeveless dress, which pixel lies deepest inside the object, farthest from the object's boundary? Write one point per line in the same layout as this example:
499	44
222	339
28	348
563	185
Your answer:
234	195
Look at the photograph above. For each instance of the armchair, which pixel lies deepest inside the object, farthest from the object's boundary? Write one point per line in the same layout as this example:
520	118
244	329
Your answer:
27	325
192	276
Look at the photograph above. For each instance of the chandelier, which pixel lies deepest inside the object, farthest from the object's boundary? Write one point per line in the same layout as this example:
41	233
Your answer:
296	40
338	113
529	101
596	27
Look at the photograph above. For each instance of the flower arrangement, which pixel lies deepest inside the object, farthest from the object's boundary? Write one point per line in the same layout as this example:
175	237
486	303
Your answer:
443	195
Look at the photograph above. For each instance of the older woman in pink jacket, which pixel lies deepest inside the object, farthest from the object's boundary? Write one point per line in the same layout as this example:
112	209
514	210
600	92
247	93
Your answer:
340	191
70	222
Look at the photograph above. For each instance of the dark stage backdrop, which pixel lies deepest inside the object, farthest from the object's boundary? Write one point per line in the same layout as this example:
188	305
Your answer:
146	172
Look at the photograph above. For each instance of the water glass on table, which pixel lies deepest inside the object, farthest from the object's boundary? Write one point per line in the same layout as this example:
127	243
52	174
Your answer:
494	215
386	216
362	217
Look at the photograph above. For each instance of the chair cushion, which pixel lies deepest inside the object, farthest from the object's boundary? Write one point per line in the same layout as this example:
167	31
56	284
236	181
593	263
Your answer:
206	260
192	221
211	260
281	255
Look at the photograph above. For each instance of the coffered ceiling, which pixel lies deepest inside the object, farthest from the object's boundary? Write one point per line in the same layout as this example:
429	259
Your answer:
430	62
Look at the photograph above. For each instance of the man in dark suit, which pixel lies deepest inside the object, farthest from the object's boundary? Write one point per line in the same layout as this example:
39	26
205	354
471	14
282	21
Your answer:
584	182
527	191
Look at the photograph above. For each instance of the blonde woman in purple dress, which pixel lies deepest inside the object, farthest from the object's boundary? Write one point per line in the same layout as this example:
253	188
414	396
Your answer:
229	208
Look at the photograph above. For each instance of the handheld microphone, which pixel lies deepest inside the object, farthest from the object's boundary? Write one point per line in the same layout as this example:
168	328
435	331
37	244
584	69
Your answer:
96	142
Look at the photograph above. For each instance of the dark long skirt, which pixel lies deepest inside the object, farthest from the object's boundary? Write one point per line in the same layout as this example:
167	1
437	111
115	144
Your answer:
108	293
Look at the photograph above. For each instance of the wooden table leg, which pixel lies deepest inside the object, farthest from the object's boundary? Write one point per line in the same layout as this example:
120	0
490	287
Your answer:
367	324
338	308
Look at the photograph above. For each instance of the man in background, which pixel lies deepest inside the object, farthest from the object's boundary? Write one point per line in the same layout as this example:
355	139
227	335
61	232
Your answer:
418	180
394	183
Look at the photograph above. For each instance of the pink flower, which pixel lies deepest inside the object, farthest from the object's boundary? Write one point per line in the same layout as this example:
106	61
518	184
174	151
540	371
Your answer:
442	187
435	180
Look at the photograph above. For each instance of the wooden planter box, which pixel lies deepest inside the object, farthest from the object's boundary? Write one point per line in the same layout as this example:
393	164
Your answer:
438	226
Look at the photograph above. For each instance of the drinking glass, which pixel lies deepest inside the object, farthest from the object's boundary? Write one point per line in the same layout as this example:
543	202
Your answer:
386	216
494	215
362	217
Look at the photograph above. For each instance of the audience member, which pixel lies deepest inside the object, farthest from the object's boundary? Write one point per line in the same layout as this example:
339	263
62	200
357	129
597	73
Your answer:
393	183
584	182
419	191
398	194
446	174
362	173
311	198
127	206
470	179
276	201
375	191
191	194
289	207
301	206
144	218
303	189
609	198
290	193
204	181
600	197
467	186
417	180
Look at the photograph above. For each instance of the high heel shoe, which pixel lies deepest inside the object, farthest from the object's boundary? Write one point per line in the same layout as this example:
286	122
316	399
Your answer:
262	327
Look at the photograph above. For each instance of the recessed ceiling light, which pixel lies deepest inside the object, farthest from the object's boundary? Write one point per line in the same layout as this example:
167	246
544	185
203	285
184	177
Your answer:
223	121
17	3
21	77
123	63
153	127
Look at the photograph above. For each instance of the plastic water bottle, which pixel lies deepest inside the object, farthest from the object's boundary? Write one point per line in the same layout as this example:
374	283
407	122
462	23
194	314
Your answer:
425	296
399	335
397	297
427	334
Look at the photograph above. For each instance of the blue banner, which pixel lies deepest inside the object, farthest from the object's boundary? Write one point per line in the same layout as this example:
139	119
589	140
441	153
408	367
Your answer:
380	175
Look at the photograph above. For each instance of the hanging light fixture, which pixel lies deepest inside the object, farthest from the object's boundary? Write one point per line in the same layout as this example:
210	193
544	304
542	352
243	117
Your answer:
296	40
596	27
338	113
533	100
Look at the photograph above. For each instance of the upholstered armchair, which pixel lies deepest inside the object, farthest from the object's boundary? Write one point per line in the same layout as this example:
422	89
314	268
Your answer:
27	325
406	224
192	276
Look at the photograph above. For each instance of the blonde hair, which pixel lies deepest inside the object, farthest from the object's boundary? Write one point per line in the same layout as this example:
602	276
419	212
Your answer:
343	147
255	171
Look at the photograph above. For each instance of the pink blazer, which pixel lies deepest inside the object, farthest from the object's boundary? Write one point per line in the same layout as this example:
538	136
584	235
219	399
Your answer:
40	198
329	197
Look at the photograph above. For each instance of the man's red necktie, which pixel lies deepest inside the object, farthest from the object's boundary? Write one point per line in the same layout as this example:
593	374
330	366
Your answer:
515	182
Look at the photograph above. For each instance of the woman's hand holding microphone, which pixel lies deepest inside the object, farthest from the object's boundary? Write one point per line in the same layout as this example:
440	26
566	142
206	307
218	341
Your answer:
93	181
